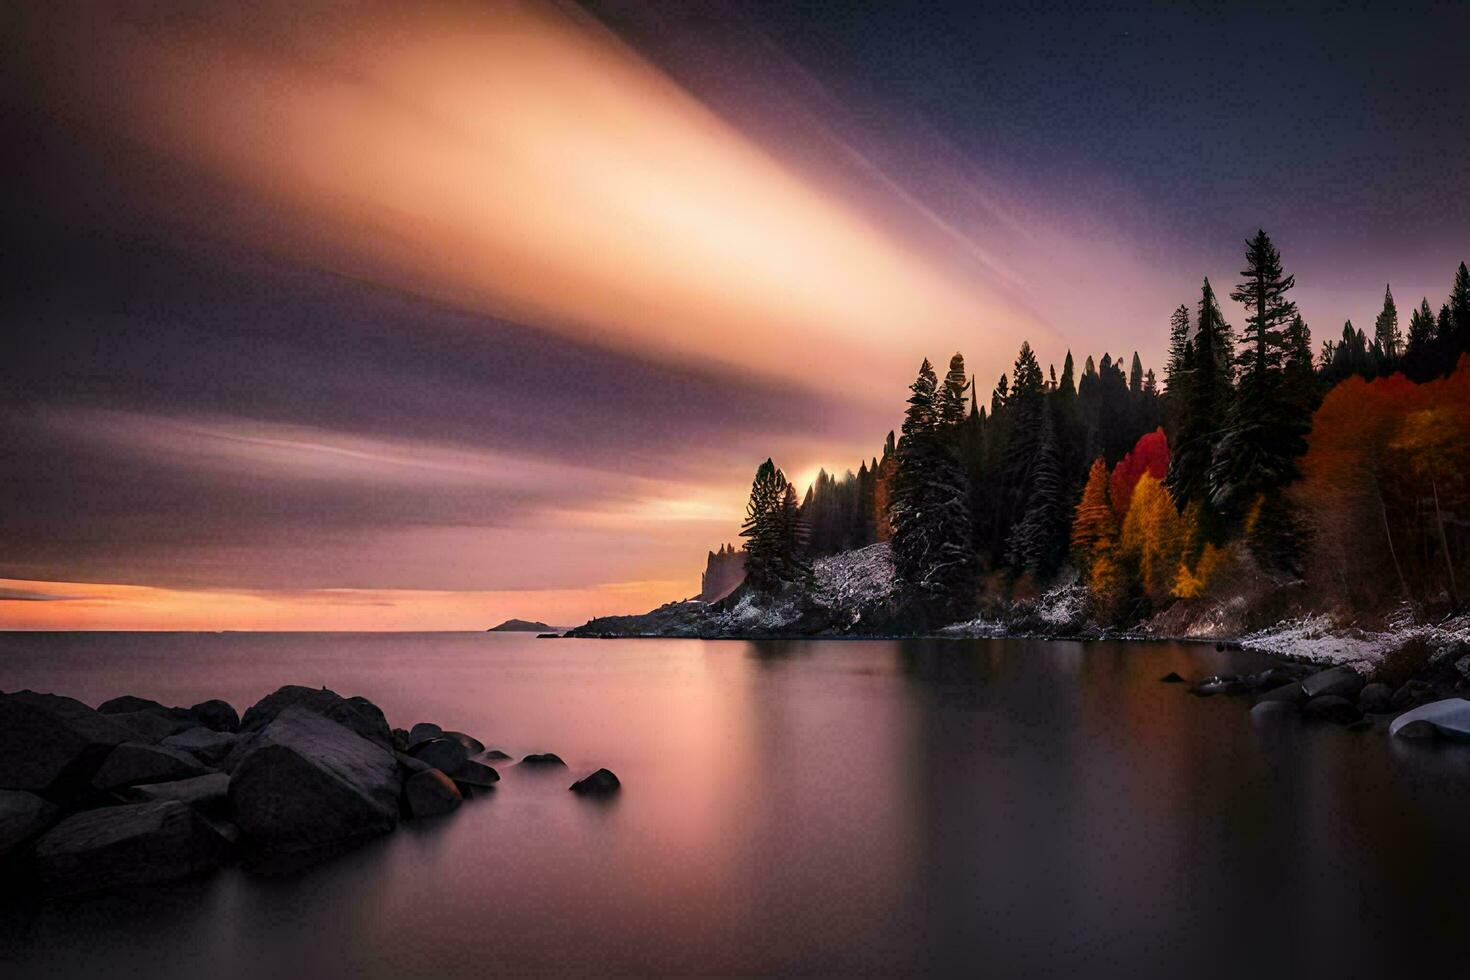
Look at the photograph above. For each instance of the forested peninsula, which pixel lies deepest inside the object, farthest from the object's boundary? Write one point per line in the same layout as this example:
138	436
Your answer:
1312	502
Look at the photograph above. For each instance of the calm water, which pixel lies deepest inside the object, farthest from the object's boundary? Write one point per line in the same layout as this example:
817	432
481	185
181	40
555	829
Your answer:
1012	807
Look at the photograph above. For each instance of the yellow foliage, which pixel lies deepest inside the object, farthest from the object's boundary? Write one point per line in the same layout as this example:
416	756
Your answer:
1153	539
1192	584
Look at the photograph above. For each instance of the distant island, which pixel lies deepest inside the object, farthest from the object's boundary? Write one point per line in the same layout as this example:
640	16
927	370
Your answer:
521	626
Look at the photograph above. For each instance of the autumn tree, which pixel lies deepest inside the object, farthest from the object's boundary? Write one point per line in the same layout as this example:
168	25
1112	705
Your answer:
1095	527
1149	455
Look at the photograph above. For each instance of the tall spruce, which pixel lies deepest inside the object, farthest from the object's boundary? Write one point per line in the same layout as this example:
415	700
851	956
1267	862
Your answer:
1038	542
933	550
951	410
1266	428
1386	333
1205	405
764	530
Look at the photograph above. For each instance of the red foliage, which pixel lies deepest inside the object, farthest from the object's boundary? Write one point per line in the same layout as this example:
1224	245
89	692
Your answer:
1151	456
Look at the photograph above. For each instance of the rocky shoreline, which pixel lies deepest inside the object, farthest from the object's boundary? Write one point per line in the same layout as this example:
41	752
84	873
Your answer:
135	792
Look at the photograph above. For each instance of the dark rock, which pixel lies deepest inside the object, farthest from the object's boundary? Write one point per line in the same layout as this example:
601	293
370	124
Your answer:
1361	725
495	755
442	753
126	845
1412	694
205	744
1268	679
1339	681
150	726
47	741
400	740
600	783
1375	699
431	793
542	759
241	748
216	715
520	626
1271	710
1172	678
132	763
409	765
127	704
1219	684
475	774
548	636
307	782
23	816
1290	693
472	745
1333	708
357	714
422	732
207	792
1449	718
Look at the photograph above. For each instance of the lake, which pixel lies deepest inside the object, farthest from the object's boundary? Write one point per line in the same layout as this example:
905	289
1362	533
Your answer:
1011	807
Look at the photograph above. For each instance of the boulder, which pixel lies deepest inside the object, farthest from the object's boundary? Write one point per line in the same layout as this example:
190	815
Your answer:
126	845
444	754
1219	684
128	704
357	714
207	792
1449	718
23	816
600	783
542	759
1291	693
308	782
1271	711
400	740
132	763
205	744
1333	708
475	774
409	765
241	748
150	726
1375	699
1172	678
472	745
495	755
430	793
422	732
216	715
1339	681
47	741
1411	694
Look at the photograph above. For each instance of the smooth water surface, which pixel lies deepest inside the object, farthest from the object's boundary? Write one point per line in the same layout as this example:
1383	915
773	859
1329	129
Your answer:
1006	807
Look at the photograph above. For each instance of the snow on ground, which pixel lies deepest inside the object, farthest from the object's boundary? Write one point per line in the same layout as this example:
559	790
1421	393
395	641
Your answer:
854	579
1317	638
979	627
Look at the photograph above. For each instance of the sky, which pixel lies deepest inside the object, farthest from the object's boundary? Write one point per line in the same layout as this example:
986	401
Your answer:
385	316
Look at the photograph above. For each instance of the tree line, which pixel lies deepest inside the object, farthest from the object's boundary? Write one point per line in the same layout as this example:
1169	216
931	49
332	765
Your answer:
1143	491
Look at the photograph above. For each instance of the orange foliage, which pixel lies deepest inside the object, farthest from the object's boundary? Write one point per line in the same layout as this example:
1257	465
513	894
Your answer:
1150	455
882	492
1095	528
1153	538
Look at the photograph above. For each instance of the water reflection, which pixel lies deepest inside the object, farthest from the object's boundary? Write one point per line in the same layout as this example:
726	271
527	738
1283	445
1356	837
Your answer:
1012	807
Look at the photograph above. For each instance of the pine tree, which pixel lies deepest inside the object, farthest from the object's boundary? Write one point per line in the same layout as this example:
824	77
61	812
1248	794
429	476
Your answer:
1038	542
1420	363
1386	333
1266	429
1135	376
792	564
763	529
952	396
930	509
1209	397
1459	307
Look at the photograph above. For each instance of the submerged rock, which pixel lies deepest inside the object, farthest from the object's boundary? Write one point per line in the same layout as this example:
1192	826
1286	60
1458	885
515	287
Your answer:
1271	710
1375	699
475	774
126	845
599	783
136	762
542	759
307	782
1339	681
1449	718
472	745
430	793
357	714
1171	678
23	816
47	740
1333	708
1411	694
495	755
1291	693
